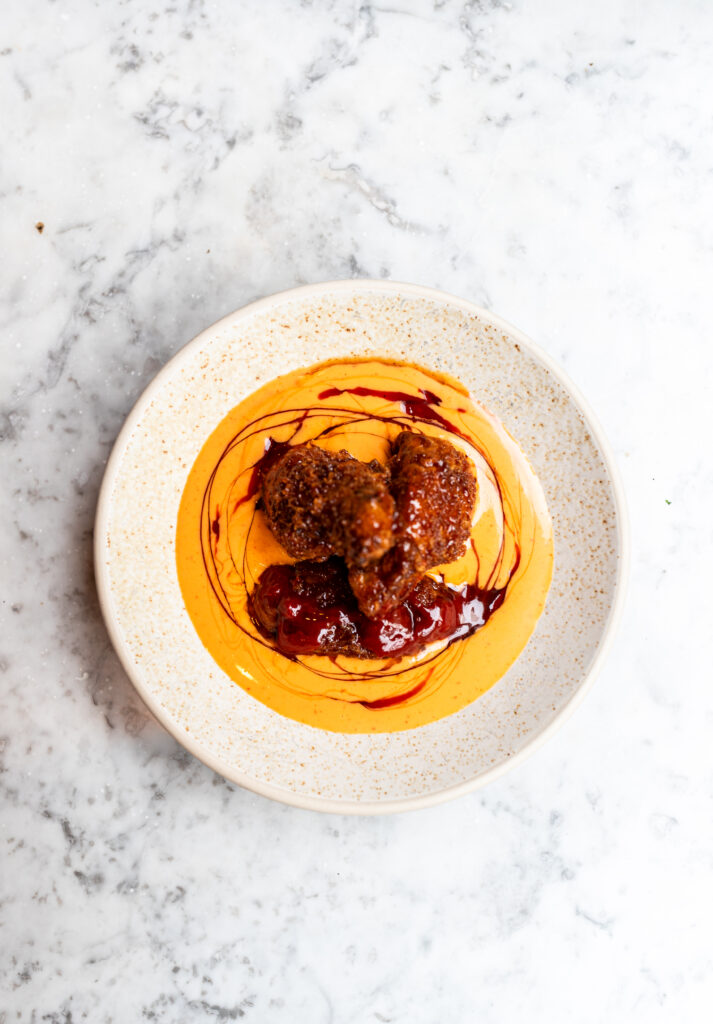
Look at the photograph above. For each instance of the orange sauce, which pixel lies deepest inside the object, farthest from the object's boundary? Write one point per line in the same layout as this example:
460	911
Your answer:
223	544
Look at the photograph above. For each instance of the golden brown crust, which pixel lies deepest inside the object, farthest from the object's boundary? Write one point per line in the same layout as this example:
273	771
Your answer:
321	503
379	588
435	489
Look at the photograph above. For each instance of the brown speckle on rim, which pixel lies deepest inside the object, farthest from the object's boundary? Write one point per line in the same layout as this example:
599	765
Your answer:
39	227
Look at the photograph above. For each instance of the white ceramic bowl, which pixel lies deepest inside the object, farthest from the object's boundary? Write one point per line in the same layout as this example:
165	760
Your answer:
218	721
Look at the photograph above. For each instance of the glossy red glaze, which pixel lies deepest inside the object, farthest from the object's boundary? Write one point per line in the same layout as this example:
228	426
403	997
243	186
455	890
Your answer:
308	608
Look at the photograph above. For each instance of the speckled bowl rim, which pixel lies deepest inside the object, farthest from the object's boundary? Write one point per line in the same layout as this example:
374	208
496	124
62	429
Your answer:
318	803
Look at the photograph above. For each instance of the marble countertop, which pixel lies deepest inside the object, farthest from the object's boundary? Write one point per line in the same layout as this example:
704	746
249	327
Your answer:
163	166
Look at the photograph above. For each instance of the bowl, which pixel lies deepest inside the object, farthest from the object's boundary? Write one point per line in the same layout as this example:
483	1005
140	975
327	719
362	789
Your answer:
215	719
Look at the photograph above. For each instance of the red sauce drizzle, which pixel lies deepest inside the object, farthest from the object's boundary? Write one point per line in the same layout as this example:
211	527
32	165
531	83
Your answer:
273	450
419	408
215	528
398	698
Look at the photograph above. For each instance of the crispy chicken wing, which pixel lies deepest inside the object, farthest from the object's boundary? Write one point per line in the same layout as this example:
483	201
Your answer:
435	489
321	503
389	525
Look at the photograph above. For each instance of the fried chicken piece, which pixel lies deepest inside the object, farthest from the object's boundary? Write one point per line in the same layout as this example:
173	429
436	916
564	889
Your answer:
390	526
321	503
435	489
381	587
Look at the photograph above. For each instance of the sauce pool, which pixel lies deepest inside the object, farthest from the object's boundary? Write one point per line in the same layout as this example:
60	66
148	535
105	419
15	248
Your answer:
446	644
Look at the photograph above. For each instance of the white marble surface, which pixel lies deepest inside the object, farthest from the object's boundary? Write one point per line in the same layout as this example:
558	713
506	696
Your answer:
550	160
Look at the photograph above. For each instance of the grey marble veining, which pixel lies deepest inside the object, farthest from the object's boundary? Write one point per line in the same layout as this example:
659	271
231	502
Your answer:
551	161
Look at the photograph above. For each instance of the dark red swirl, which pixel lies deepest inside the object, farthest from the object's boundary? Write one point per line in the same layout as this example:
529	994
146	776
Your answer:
418	407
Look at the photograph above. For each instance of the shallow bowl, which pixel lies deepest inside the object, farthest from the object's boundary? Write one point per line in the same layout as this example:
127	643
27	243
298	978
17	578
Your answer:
213	717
